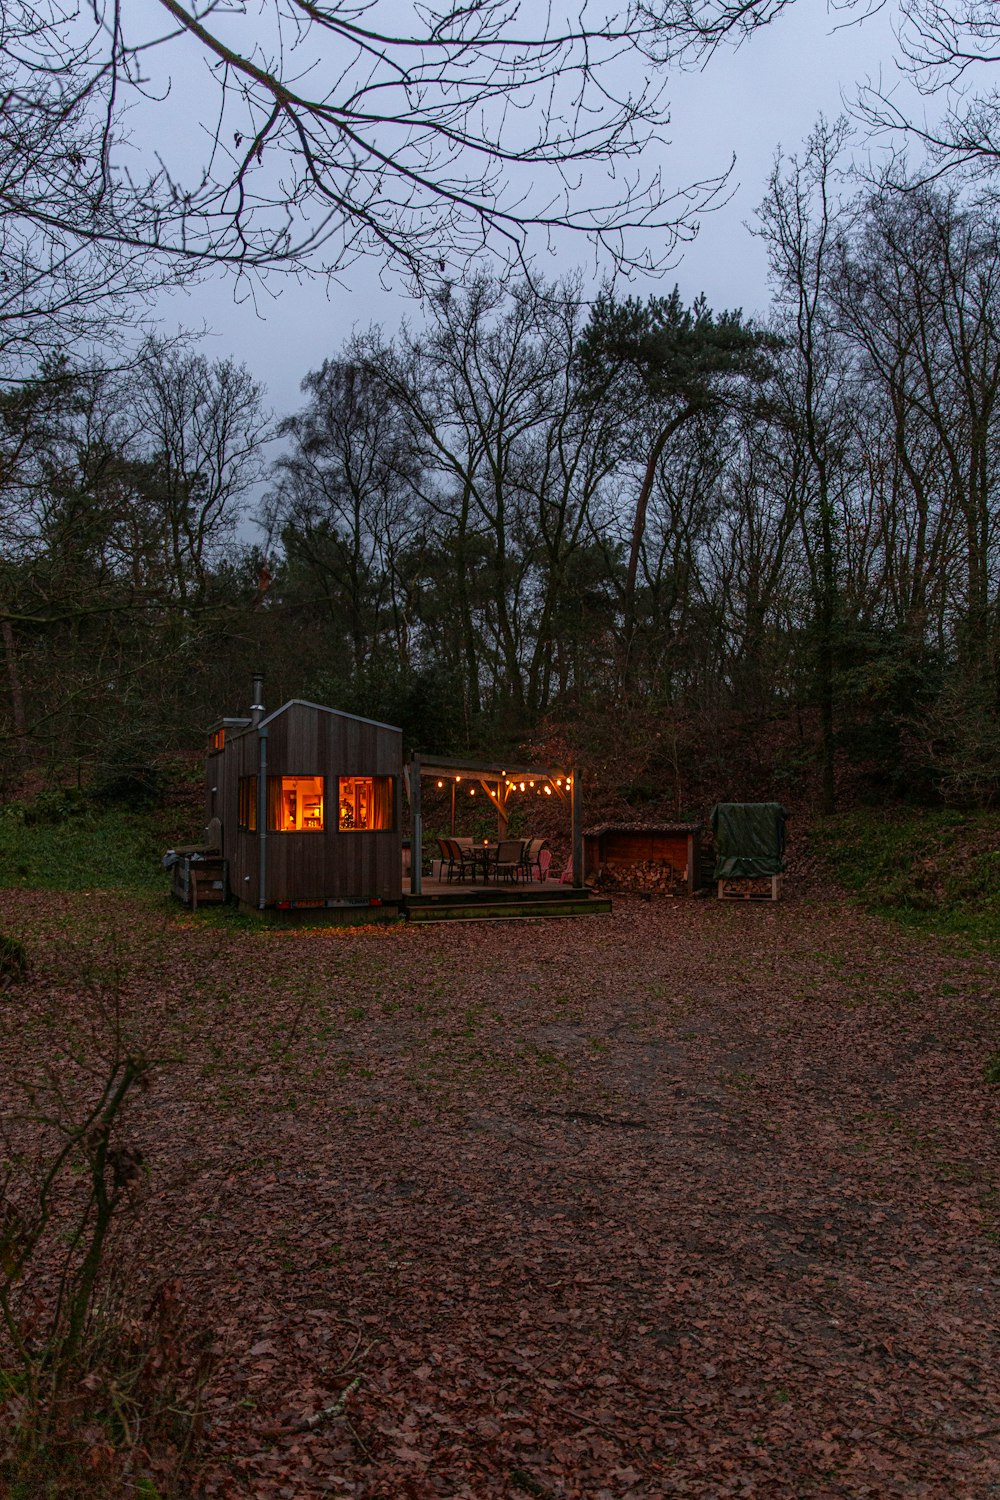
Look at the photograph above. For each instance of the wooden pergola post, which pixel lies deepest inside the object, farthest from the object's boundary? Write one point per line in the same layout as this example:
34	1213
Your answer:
501	807
417	833
576	803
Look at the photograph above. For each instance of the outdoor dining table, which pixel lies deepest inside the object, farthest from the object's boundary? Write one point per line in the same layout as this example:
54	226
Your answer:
483	855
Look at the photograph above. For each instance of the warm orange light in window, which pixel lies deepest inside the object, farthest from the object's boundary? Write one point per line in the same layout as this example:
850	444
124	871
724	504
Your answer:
364	803
295	804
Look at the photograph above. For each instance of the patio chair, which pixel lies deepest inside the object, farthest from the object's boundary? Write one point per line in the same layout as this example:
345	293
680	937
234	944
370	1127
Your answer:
509	862
465	860
532	859
447	858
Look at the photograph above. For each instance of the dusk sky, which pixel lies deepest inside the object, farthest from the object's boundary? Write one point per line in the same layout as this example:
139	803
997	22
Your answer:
767	94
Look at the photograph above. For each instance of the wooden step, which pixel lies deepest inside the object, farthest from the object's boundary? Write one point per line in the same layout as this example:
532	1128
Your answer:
528	908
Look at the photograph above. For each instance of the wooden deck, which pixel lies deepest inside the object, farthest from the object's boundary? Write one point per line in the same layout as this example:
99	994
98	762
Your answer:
468	901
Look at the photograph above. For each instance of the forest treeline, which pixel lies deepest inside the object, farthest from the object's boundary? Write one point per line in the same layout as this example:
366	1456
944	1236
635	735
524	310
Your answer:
711	553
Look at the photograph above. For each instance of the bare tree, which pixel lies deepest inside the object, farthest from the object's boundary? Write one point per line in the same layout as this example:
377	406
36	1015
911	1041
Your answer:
919	292
75	242
798	222
333	131
948	53
200	427
342	505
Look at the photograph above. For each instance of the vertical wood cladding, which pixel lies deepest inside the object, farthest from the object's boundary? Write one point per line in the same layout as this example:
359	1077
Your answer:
304	739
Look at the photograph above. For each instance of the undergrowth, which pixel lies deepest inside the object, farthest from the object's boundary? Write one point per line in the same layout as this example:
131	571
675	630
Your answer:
937	870
72	844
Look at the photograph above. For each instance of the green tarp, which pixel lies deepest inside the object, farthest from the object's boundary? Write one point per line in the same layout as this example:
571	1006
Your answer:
749	839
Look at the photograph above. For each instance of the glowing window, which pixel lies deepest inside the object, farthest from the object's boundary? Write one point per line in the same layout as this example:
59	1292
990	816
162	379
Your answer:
364	803
295	804
247	813
217	741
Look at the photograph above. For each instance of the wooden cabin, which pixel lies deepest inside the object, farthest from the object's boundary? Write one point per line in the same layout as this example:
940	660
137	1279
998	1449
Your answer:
310	803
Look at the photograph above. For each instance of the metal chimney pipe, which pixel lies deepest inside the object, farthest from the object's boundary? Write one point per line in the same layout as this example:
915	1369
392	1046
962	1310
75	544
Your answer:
257	706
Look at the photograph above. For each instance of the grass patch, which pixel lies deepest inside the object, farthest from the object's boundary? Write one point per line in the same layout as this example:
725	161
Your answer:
95	849
933	869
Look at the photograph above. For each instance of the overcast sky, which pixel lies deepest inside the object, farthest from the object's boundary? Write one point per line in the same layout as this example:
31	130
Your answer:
769	93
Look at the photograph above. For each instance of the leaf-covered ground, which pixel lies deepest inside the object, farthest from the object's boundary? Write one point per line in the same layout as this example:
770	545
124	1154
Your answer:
700	1199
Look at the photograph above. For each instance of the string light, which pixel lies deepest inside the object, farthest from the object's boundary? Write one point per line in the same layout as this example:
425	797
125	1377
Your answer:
440	783
548	791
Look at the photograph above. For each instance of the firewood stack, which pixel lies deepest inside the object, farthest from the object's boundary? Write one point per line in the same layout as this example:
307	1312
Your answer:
644	876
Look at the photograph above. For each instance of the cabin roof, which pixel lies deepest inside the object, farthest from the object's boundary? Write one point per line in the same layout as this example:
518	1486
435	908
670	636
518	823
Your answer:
321	708
231	721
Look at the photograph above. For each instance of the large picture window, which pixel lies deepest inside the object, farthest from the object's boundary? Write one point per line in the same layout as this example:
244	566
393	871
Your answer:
295	804
247	811
364	803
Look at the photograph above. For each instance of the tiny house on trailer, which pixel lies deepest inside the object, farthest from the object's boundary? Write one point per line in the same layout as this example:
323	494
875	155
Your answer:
309	800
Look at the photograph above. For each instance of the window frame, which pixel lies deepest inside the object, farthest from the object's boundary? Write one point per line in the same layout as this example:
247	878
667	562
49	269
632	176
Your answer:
372	777
274	779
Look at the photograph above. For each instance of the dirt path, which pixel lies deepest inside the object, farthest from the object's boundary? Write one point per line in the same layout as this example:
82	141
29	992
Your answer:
698	1199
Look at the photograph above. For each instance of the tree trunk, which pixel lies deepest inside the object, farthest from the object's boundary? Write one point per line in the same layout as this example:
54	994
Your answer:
16	695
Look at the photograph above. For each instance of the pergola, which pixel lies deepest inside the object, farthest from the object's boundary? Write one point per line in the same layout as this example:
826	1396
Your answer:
502	785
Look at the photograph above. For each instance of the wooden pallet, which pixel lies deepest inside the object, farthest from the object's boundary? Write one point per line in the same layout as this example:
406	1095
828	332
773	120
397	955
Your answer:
750	888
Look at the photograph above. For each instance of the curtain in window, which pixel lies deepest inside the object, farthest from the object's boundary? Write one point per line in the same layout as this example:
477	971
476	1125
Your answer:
381	802
248	804
274	819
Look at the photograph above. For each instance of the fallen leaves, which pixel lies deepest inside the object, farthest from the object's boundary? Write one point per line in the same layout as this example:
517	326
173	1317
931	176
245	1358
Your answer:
693	1201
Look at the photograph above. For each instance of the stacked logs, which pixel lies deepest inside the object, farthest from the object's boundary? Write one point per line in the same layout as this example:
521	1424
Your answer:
646	876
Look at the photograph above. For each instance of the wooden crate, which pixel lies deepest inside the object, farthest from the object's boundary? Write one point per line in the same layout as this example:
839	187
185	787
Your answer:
750	888
200	882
